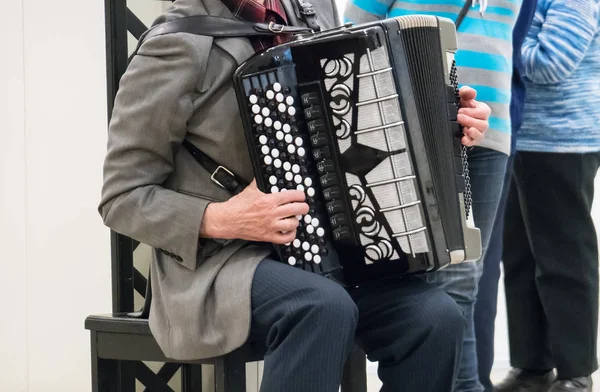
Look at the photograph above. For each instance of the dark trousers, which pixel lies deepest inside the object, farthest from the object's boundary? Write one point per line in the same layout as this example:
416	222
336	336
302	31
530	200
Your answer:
309	325
487	295
551	263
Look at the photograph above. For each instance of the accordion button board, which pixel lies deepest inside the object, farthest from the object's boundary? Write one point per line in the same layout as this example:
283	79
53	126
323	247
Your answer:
363	120
281	142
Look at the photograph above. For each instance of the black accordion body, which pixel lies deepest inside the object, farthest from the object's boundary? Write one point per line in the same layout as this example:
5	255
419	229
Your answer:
363	120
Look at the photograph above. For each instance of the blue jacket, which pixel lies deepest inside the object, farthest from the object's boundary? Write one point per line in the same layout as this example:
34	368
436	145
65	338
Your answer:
561	66
518	84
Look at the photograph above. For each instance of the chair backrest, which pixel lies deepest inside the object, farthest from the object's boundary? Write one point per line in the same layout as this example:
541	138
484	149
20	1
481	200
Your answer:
128	264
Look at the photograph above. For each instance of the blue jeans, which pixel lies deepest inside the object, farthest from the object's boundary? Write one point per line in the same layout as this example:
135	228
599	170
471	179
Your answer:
487	168
487	295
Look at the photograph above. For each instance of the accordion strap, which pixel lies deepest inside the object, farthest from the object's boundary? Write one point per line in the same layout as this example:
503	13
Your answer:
218	27
220	175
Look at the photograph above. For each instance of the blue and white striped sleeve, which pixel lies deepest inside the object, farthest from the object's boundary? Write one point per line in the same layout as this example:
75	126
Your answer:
559	37
363	11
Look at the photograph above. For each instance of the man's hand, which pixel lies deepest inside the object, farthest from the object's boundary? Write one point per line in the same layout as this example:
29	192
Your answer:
255	216
473	116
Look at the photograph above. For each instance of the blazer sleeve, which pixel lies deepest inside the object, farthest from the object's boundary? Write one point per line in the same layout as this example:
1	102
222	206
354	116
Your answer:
148	124
558	39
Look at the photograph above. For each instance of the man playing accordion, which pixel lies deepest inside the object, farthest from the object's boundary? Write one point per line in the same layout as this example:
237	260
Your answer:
215	285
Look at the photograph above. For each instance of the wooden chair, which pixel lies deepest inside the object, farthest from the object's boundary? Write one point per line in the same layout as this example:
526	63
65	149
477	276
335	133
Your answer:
121	342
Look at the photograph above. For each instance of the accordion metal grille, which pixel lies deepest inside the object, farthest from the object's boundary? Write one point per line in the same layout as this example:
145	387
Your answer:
379	125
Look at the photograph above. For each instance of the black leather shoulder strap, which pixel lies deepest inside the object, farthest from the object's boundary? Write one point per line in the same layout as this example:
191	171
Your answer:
220	175
308	14
218	27
463	13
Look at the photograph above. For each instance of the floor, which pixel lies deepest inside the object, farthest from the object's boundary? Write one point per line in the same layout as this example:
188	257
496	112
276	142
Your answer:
374	384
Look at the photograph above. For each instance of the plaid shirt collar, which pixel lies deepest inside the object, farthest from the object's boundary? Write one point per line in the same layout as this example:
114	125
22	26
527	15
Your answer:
256	11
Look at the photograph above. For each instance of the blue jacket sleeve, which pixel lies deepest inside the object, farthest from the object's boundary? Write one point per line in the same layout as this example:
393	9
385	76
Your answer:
558	39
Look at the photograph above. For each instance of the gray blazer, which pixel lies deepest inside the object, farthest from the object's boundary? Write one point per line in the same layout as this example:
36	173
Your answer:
178	86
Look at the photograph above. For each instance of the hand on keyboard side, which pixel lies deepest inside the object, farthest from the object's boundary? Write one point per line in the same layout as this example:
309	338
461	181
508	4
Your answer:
473	115
255	216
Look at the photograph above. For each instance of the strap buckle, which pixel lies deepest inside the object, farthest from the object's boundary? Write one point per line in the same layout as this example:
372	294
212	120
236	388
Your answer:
272	28
214	179
307	9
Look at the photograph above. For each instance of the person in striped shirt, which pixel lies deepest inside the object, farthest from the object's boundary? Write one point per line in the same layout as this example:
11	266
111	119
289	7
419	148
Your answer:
484	61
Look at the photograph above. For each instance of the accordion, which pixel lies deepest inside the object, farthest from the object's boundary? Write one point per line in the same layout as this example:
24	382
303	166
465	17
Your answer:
363	120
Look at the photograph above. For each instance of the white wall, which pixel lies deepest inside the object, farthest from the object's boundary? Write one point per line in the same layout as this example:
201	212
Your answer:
56	253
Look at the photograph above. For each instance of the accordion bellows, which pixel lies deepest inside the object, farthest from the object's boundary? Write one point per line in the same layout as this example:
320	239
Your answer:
363	119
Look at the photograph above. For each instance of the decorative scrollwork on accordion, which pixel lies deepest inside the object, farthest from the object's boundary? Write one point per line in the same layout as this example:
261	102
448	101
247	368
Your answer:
381	248
339	81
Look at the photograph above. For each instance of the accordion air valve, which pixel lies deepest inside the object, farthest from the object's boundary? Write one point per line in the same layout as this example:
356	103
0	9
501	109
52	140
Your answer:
363	120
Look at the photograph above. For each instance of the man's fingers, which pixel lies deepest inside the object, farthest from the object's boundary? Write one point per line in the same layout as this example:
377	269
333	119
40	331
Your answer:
286	225
467	93
472	136
284	238
291	196
481	111
471	122
291	209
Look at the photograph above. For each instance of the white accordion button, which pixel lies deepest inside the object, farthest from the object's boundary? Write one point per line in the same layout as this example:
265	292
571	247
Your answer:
282	107
317	259
279	135
270	94
289	100
314	249
275	153
298	179
289	138
320	232
300	187
287	128
291	149
307	219
277	125
305	245
289	176
266	112
296	169
268	121
255	109
310	192
315	222
263	139
273	180
274	189
297	243
310	229
292	260
287	166
308	181
308	256
268	160
301	151
277	163
253	99
265	150
299	141
292	111
277	87
299	217
258	119
279	97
